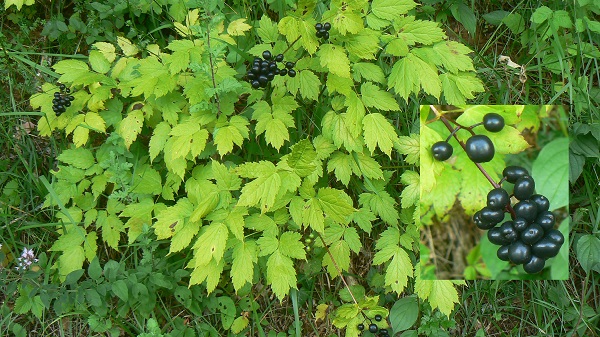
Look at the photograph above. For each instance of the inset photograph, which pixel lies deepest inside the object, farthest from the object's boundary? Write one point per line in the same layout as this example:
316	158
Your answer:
494	192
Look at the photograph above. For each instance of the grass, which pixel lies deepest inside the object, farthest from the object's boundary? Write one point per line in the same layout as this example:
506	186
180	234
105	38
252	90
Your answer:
498	308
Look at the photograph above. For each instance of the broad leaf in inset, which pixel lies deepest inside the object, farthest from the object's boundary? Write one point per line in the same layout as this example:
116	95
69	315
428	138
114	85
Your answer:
551	172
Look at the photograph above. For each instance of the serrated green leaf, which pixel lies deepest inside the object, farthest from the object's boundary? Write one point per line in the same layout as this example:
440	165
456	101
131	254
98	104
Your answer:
291	246
419	31
368	71
460	87
238	27
336	204
341	254
302	158
263	189
98	62
79	158
131	126
107	49
409	146
312	215
211	244
410	193
111	227
210	272
398	271
343	129
158	139
374	97
70	260
334	59
391	9
440	294
281	274
364	45
341	164
363	218
170	217
379	132
410	74
242	267
382	205
352	239
306	82
267	30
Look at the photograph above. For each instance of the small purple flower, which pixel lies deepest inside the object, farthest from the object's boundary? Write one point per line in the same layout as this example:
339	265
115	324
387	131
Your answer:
26	259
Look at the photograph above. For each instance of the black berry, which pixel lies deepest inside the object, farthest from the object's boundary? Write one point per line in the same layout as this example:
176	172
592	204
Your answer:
327	26
543	204
546	220
266	55
524	188
57	94
493	122
502	252
496	237
492	215
519	253
255	84
526	209
532	234
509	232
545	248
556	236
512	173
383	332
361	326
318	26
497	198
283	71
520	224
326	35
480	223
279	57
441	150
61	86
378	318
291	73
373	328
262	79
290	65
534	265
480	149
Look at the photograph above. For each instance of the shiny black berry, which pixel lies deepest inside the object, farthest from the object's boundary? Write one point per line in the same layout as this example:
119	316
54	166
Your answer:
67	90
378	318
279	57
326	35
532	234
71	98
534	265
373	328
255	84
526	209
262	79
520	224
502	252
361	326
57	94
266	55
524	188
509	232
383	332
519	253
492	215
480	149
283	71
543	204
319	26
556	236
512	173
545	248
62	86
327	26
496	237
497	198
441	150
291	73
480	223
290	65
493	122
546	220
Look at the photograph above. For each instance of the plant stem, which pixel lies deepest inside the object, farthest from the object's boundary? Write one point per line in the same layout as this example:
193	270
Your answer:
337	268
462	144
290	46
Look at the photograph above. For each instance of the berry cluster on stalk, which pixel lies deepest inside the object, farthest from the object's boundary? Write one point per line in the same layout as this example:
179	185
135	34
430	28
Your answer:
323	30
62	99
263	70
529	238
373	327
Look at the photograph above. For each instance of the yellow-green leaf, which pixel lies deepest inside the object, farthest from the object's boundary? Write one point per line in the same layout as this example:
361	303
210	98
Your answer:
238	27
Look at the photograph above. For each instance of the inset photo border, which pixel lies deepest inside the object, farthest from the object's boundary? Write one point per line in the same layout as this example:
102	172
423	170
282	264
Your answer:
494	192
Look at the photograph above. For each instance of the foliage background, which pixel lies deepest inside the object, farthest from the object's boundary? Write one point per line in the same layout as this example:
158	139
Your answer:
556	45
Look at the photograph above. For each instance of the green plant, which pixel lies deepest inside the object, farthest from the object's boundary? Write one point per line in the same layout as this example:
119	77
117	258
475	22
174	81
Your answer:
161	138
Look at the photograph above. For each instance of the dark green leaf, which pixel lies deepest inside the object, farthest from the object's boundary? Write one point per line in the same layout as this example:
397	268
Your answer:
404	313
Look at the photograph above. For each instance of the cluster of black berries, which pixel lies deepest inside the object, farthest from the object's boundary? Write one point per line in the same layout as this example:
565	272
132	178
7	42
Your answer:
529	238
373	328
62	99
323	30
479	148
264	70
